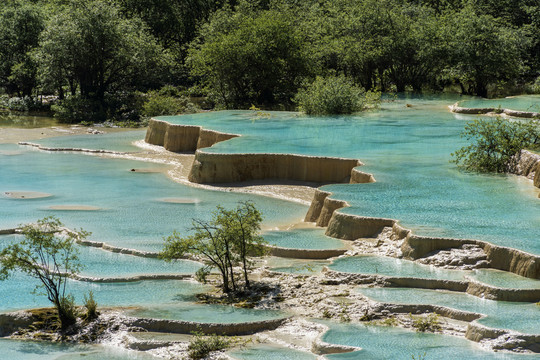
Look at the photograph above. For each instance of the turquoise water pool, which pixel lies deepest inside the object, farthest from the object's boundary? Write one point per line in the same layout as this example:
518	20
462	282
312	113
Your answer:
381	265
504	279
268	352
302	239
379	342
131	213
114	141
522	317
407	149
33	350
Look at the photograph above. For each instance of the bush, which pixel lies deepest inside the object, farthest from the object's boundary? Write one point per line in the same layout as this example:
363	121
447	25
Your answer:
496	144
335	95
67	311
201	274
76	109
430	323
202	345
91	307
162	103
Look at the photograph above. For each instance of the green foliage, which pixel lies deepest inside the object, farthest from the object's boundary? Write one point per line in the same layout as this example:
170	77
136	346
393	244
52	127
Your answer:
229	239
21	23
160	103
496	144
201	346
250	57
67	311
430	323
93	51
201	274
91	307
482	50
48	257
419	357
334	95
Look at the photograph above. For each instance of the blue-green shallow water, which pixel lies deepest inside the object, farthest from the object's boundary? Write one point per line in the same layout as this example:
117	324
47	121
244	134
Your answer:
388	343
504	279
408	151
302	239
132	214
523	103
522	317
100	263
268	352
33	350
388	266
162	299
114	141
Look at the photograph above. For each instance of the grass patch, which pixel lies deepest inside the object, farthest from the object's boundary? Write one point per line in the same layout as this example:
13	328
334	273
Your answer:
430	323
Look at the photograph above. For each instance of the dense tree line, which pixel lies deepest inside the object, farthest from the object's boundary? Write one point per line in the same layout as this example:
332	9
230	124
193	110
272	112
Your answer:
99	57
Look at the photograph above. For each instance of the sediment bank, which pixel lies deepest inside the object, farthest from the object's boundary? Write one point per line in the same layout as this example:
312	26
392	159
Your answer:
492	110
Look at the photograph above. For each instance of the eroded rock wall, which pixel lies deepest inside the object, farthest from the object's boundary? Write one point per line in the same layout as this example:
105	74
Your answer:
209	168
352	227
182	138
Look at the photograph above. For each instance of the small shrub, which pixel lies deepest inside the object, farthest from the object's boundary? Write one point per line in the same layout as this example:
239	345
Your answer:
201	346
163	103
419	357
429	323
67	311
334	95
327	314
496	144
344	313
390	321
91	307
201	274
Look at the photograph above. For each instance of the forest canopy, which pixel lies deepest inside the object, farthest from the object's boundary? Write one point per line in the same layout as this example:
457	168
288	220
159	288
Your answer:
99	58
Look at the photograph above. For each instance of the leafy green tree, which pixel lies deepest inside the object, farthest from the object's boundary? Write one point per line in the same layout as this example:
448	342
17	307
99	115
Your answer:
227	240
496	144
21	24
483	50
50	257
93	50
249	58
334	95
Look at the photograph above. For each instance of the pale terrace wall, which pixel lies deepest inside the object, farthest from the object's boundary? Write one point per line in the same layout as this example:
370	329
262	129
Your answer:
188	327
211	168
499	257
511	340
182	138
305	253
352	227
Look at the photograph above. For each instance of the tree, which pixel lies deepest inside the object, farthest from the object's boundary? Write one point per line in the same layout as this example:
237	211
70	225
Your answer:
49	254
247	57
483	51
93	50
21	24
496	144
229	239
